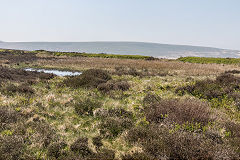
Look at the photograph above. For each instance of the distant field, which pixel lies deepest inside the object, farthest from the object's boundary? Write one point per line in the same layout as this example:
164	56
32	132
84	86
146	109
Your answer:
77	54
102	55
206	60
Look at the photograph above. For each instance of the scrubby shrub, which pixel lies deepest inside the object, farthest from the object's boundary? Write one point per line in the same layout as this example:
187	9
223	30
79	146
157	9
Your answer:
219	91
89	79
189	146
80	146
97	142
127	71
42	133
8	115
178	111
86	107
113	85
151	99
158	142
233	128
233	71
228	79
11	88
224	85
137	156
11	147
104	154
134	72
56	149
111	127
151	58
114	121
138	134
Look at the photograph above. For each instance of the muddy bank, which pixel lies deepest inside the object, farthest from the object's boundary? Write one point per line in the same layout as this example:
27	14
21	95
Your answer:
19	75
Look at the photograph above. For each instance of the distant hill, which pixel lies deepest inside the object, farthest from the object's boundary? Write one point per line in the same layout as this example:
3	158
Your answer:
131	48
1	41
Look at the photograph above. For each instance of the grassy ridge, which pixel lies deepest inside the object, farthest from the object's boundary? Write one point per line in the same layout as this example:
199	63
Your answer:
102	55
77	54
205	60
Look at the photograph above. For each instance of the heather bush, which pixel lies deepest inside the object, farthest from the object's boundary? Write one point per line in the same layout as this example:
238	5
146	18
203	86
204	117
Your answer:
224	85
8	117
151	99
11	147
80	147
228	80
137	156
41	133
151	58
221	92
113	85
55	149
111	127
86	107
233	71
114	121
127	71
104	154
97	142
10	89
158	142
88	79
178	111
233	128
234	137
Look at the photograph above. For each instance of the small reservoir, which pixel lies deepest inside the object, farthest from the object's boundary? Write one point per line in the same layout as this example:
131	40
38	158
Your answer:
56	72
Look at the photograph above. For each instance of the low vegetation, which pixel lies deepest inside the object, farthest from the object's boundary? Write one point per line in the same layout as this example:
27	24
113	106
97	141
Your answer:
76	54
205	60
129	109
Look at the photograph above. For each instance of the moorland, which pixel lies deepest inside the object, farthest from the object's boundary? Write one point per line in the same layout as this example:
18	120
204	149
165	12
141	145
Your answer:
121	107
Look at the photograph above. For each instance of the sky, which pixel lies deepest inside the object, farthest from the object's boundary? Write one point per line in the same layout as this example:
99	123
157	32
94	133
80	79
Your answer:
213	23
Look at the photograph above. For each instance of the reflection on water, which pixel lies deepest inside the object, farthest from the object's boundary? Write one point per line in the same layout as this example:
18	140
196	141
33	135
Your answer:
56	72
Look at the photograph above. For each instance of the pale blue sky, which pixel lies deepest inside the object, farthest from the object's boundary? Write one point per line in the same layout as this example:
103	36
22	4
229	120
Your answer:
213	23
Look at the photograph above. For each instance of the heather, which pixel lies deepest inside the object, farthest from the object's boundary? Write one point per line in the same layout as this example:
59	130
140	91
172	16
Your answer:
117	109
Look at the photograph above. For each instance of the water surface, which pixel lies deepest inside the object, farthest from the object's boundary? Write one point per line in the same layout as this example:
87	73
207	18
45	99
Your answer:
56	72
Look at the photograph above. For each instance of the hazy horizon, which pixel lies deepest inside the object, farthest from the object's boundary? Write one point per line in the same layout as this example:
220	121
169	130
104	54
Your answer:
197	23
115	42
126	48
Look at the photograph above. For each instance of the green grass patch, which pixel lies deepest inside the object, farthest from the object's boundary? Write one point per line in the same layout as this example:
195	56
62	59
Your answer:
101	55
207	60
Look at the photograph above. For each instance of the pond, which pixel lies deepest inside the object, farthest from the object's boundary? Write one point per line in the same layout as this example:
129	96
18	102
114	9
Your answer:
56	72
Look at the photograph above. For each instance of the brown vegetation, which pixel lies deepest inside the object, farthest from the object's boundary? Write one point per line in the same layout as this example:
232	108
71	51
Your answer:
113	85
154	67
178	111
19	75
88	79
158	143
